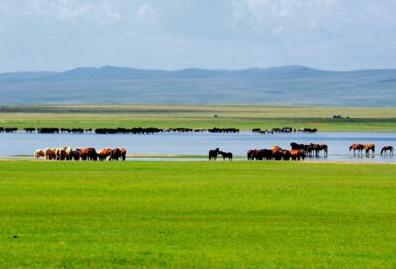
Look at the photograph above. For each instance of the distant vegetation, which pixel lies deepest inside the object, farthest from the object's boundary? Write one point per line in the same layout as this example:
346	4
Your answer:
244	118
279	85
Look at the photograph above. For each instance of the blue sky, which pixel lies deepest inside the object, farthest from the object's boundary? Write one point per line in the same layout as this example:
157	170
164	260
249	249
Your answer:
173	34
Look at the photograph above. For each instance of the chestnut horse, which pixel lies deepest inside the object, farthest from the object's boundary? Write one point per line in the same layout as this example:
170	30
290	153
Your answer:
357	147
368	148
297	154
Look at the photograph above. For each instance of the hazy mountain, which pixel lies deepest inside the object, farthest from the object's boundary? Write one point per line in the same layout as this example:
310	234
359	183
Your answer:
276	85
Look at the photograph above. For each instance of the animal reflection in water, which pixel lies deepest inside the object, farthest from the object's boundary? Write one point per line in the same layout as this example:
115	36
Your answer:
387	151
213	153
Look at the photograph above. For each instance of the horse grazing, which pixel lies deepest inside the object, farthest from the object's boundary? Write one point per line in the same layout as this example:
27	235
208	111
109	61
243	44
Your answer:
356	147
277	153
297	154
368	148
252	154
123	153
39	153
68	153
104	153
384	151
76	154
50	154
89	154
320	147
226	155
213	154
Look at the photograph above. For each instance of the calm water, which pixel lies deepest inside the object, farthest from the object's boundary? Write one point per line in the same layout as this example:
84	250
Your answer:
197	144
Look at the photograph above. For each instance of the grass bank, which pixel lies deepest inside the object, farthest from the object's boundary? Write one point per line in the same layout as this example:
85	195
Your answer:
196	215
160	116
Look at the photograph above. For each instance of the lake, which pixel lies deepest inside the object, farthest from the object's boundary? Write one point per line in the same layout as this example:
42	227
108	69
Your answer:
20	143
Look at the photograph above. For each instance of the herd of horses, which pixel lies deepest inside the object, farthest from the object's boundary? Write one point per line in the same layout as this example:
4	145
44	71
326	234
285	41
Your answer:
298	152
370	148
84	154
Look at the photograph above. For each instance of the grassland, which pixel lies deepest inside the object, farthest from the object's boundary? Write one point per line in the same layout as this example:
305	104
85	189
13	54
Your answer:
161	116
197	215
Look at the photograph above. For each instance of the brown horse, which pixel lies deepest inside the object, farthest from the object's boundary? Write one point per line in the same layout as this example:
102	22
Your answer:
384	151
368	148
50	154
39	153
357	147
277	153
296	154
88	154
104	153
123	153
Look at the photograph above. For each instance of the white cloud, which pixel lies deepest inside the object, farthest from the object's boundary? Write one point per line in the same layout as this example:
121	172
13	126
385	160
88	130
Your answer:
146	14
102	11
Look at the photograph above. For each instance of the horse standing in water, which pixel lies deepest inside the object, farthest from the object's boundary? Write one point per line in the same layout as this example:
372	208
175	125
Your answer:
213	154
368	148
384	151
226	155
356	147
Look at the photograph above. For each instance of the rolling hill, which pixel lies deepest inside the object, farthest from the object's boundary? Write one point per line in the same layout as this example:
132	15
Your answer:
287	85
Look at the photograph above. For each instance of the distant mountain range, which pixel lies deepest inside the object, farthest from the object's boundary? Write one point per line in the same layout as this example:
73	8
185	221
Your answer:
287	85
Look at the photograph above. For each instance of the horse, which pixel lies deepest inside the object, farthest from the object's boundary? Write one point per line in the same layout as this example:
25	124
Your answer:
68	151
115	154
295	146
368	148
50	154
319	147
123	153
296	154
104	153
88	154
39	153
384	151
251	154
309	149
60	154
356	147
213	153
76	154
277	153
226	155
264	154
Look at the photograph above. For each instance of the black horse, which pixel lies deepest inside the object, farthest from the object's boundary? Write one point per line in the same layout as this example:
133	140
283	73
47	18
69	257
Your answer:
226	155
213	154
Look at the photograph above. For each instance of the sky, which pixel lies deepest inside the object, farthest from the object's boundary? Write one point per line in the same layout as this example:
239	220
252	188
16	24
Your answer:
217	34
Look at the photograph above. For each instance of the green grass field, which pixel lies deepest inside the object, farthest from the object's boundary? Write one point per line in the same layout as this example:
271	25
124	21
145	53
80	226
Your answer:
161	116
197	215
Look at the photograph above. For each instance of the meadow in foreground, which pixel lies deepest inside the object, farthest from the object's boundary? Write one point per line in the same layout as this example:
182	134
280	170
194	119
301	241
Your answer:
197	215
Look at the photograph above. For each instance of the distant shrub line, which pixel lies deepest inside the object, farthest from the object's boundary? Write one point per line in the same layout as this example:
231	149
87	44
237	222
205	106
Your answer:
150	130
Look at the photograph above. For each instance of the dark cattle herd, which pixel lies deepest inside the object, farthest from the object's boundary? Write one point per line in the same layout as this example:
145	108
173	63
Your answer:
149	130
83	154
